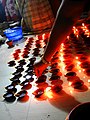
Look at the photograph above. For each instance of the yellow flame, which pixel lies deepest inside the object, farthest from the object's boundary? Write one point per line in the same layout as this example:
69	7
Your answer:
48	92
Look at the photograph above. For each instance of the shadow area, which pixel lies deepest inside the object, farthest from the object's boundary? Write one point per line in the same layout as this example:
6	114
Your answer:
63	101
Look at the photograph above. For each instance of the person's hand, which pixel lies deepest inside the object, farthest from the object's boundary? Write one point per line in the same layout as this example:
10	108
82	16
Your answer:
39	68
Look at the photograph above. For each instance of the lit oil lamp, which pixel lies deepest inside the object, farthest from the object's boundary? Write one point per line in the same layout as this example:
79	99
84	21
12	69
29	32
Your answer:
87	71
56	88
77	84
41	79
56	82
85	64
54	77
55	70
43	85
83	58
54	65
70	74
70	67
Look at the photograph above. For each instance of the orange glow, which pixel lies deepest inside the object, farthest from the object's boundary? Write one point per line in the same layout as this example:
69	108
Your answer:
88	80
80	71
69	83
84	77
61	57
62	45
85	29
83	70
68	37
75	30
73	27
61	50
83	24
71	90
78	63
48	92
76	58
77	36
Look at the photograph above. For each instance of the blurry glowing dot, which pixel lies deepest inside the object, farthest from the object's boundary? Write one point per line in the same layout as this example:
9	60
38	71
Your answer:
69	83
84	77
82	24
48	88
62	44
78	63
83	70
85	27
73	26
67	37
88	36
61	58
77	36
87	30
80	71
76	58
61	50
89	80
71	91
48	92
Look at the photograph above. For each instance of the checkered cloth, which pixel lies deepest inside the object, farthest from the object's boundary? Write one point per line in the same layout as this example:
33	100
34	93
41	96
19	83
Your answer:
37	14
